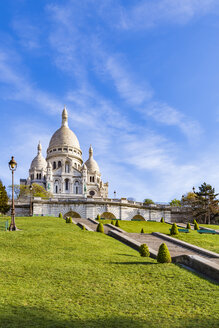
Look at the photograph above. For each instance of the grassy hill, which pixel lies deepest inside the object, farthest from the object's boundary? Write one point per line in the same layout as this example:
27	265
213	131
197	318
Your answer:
53	274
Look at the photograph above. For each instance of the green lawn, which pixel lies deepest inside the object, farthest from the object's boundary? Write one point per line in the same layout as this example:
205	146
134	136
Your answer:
136	226
53	274
210	226
207	241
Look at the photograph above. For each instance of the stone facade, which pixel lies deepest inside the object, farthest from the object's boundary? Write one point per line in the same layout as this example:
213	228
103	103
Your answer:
62	172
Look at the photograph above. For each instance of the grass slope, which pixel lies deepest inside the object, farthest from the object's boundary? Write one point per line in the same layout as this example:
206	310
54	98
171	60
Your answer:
53	274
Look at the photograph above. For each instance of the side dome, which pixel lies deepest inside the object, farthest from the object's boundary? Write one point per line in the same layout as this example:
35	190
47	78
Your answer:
39	161
91	164
64	136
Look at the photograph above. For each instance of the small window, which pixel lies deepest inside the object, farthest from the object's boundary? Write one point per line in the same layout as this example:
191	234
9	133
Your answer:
54	165
59	164
70	149
50	151
65	149
92	193
40	176
66	184
54	149
59	149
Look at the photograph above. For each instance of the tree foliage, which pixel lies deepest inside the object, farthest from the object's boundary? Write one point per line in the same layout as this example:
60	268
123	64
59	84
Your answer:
148	201
37	191
203	203
175	202
4	207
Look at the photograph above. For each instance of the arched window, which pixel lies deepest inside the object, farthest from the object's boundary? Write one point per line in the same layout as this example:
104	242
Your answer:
40	176
54	165
66	184
76	185
37	176
56	189
59	164
67	167
91	179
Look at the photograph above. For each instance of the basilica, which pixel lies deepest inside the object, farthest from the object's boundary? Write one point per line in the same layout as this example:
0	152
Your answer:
63	172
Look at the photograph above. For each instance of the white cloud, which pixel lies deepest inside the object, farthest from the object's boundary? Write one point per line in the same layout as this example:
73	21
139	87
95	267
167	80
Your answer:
148	14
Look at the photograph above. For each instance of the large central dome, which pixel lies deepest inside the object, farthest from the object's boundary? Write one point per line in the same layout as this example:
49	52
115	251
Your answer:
64	136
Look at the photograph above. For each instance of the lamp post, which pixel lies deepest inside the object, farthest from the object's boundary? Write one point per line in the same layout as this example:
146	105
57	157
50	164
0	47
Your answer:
31	208
114	194
12	166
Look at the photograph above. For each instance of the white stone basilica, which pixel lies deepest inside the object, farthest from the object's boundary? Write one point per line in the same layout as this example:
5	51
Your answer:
62	172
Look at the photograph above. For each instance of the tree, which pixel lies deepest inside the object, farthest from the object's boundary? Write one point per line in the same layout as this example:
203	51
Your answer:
16	190
37	191
4	207
203	203
148	201
175	202
207	203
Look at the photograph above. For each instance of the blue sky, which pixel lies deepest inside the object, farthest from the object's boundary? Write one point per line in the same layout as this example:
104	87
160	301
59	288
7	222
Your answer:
140	80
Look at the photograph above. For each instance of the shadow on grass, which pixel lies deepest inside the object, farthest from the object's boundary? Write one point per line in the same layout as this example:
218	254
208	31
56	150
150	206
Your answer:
126	255
26	317
136	262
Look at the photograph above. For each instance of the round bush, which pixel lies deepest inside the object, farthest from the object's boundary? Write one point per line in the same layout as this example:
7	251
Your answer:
188	226
60	216
163	255
162	220
117	224
196	226
112	222
100	228
174	230
142	231
98	217
144	250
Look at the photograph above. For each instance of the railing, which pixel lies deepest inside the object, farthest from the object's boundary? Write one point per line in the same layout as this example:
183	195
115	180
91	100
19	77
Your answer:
4	225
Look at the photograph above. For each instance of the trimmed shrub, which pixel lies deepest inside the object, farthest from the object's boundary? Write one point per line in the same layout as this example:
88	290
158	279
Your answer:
100	227
60	216
117	224
163	255
98	217
112	222
144	250
162	220
188	226
174	230
142	231
68	219
194	220
196	226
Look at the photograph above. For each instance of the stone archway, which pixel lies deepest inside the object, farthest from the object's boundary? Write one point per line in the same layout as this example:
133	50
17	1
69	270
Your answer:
108	216
72	214
138	217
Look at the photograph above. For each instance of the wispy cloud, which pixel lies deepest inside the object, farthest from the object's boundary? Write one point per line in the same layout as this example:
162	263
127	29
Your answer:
148	14
19	86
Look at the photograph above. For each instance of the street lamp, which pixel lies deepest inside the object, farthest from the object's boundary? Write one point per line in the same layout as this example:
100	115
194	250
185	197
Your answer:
114	194
12	166
31	209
